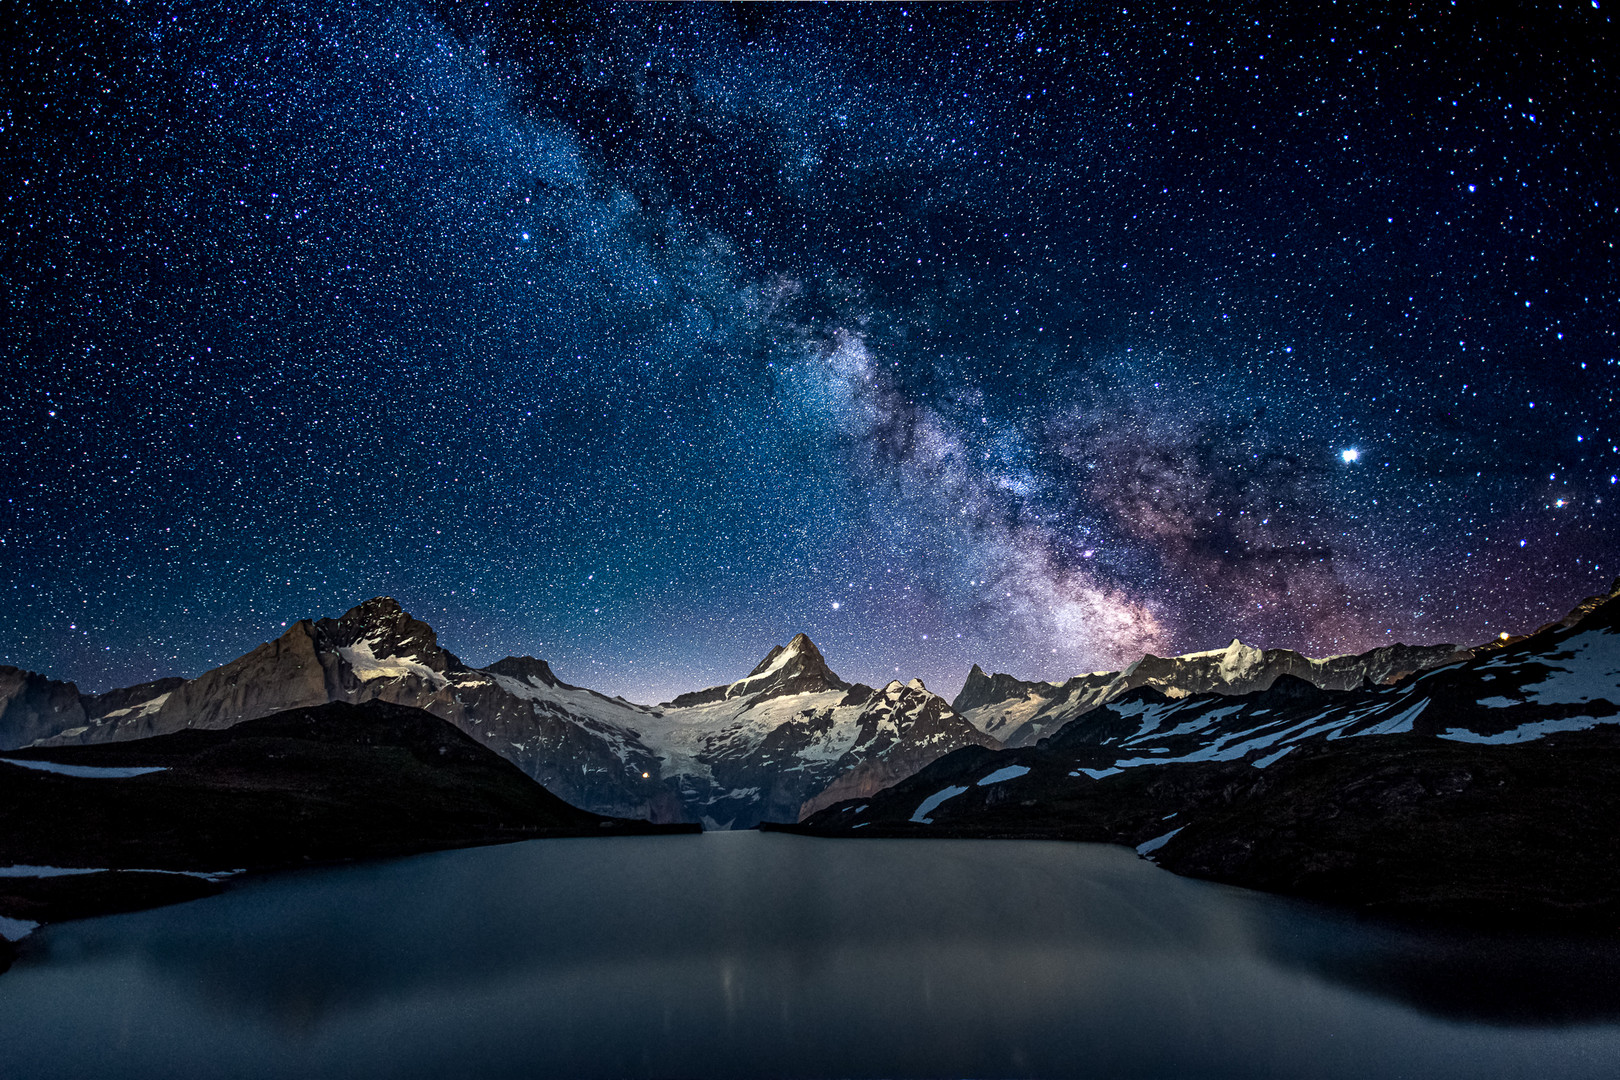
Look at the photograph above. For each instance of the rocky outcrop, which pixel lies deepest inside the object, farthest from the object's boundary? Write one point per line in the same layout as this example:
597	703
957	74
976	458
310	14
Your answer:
286	673
981	689
34	707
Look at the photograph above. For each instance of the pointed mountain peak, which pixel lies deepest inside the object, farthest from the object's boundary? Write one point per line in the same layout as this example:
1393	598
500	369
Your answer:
525	669
379	609
977	689
982	689
378	629
767	663
795	668
780	655
1241	657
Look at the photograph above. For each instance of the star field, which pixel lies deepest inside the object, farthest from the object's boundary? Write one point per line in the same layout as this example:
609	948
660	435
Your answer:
642	337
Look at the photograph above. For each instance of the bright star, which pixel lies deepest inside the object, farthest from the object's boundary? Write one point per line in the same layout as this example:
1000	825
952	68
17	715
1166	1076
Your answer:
1349	455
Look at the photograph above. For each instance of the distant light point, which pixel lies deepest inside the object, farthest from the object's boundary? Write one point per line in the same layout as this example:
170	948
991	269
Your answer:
835	605
1350	455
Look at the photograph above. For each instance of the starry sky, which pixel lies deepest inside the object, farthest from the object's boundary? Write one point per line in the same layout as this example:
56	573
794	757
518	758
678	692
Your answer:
641	337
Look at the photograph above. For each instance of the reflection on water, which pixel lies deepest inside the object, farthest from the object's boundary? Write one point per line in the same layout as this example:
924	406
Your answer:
755	954
1535	979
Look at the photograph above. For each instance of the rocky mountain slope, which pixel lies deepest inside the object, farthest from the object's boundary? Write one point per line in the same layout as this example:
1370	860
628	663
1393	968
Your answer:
33	707
1488	788
573	741
728	756
757	748
1017	713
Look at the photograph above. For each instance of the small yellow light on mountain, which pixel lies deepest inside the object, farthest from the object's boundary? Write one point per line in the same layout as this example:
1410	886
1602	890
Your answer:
1503	635
644	776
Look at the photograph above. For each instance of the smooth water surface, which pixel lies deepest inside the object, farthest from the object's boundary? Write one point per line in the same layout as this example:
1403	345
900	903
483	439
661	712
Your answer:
748	954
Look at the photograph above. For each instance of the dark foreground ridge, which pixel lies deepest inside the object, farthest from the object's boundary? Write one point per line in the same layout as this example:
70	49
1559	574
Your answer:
1402	825
324	784
1486	791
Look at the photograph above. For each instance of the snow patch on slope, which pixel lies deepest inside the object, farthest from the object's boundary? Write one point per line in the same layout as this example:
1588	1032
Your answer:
1150	846
1399	724
88	772
145	708
761	679
1534	730
932	802
1272	759
1001	718
367	665
1011	772
1593	671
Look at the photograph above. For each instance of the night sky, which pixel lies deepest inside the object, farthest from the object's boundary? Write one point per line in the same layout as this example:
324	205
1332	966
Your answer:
640	338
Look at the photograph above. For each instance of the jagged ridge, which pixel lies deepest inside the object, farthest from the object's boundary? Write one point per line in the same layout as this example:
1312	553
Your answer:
1018	712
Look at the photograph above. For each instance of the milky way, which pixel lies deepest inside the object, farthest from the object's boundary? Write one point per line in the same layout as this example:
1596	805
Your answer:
641	338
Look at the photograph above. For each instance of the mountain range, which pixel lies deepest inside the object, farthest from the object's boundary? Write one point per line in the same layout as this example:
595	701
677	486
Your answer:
726	756
1018	713
1488	787
783	741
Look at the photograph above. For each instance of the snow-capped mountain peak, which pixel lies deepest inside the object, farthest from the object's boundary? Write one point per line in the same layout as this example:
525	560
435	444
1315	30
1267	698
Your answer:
1239	660
795	668
380	639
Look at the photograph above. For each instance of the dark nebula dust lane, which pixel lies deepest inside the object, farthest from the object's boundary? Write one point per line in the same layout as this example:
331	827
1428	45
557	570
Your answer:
641	337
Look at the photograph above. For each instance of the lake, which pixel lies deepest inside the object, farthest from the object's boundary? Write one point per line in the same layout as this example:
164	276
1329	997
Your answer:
749	954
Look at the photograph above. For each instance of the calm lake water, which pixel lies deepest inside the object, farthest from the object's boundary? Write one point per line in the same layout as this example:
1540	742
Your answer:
750	954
